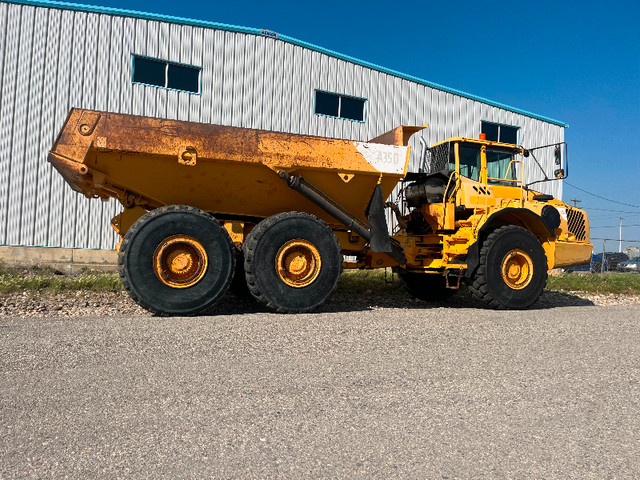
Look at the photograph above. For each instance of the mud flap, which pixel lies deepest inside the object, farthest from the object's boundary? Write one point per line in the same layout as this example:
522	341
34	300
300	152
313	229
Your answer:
380	239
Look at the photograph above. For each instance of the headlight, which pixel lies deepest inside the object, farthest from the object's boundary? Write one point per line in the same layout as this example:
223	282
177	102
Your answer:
551	217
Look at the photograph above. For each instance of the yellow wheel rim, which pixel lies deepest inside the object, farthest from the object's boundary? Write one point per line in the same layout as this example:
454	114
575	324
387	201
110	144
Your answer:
298	263
180	261
517	269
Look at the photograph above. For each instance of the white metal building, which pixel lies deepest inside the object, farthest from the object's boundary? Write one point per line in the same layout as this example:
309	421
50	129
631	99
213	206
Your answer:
54	56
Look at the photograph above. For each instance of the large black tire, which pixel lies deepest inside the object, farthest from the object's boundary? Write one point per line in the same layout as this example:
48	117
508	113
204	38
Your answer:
428	287
176	260
292	262
512	271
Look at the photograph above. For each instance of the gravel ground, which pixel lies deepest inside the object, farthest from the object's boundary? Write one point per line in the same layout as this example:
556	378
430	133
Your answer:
366	391
84	303
377	385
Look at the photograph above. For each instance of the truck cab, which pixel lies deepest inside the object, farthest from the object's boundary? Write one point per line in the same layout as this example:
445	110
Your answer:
471	199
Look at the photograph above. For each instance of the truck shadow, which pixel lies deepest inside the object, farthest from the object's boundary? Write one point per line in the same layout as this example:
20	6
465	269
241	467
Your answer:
370	299
461	299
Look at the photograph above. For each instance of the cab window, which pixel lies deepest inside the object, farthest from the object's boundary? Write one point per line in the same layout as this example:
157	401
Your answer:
500	169
470	161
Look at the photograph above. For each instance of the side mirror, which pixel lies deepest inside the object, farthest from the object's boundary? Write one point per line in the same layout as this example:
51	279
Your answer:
561	159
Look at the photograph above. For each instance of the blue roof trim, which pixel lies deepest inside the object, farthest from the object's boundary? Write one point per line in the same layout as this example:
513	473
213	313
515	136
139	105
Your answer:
134	14
285	38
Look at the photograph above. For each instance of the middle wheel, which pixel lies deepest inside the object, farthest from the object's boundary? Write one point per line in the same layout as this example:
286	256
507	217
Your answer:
292	262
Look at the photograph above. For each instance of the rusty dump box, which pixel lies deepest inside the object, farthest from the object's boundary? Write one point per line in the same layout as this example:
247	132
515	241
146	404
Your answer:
231	171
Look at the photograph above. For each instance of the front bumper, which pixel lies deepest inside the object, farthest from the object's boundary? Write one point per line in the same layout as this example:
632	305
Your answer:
568	254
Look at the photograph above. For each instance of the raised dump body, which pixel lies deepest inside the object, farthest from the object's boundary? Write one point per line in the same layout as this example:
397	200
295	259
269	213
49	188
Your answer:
204	203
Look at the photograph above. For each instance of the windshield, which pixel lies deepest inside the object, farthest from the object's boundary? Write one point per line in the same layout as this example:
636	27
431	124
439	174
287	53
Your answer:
500	168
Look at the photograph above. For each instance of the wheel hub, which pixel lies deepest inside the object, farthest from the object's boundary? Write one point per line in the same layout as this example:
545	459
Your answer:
298	263
517	269
180	261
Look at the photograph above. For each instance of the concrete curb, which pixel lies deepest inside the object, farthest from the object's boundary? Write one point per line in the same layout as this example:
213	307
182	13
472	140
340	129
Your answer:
66	260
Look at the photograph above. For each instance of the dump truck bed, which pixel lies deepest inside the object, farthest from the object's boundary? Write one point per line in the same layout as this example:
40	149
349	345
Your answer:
226	170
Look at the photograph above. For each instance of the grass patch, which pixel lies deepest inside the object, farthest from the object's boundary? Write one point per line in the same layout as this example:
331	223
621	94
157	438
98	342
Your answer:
353	282
45	279
359	282
625	283
363	281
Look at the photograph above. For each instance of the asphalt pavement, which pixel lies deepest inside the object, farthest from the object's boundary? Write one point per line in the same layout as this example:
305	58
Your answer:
420	393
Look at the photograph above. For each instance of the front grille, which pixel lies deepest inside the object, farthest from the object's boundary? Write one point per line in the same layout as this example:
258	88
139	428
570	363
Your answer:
577	223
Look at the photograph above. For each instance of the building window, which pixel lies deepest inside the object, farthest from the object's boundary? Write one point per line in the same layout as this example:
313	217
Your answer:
160	73
340	106
497	132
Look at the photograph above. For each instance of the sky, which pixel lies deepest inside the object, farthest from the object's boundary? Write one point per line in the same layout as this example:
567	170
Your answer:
573	61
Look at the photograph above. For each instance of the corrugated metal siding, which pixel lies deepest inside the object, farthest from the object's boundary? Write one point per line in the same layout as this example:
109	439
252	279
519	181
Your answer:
52	59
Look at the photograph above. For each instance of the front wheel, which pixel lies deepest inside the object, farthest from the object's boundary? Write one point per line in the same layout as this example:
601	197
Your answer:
512	271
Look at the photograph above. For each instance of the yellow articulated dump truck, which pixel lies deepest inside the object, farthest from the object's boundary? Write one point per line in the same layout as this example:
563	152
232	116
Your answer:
286	213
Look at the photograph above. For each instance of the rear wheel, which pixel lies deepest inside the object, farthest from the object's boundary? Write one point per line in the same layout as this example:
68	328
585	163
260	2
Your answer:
292	262
176	260
512	272
425	286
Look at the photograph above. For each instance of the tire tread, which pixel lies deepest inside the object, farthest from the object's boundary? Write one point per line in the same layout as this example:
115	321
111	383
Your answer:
479	288
135	228
249	249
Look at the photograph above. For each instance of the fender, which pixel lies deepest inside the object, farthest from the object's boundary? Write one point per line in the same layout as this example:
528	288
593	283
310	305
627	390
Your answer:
507	216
